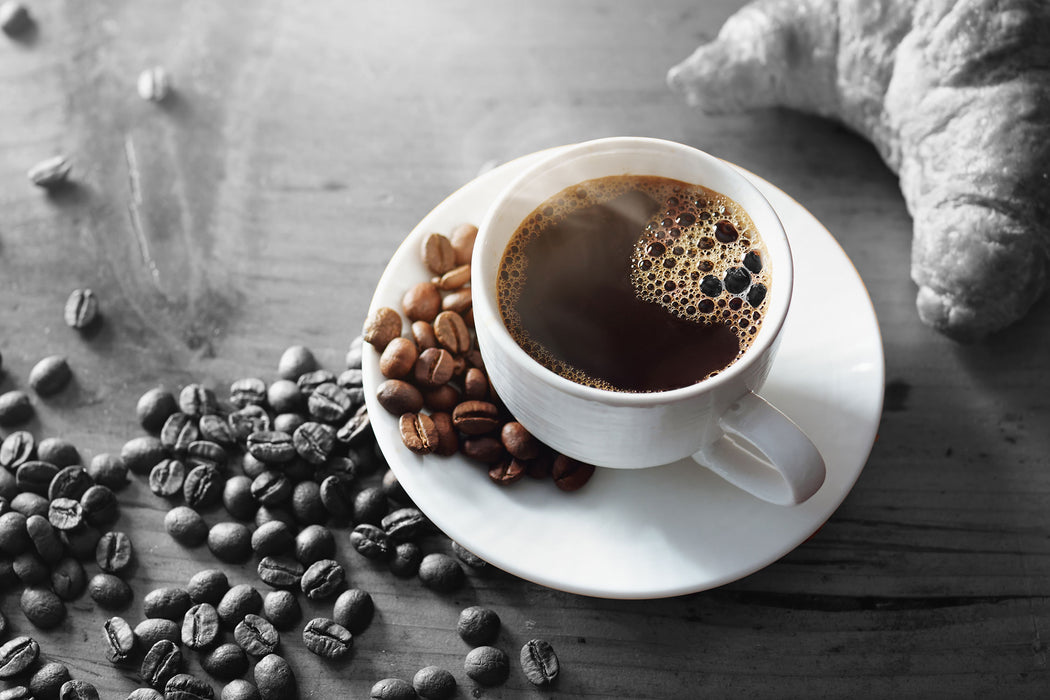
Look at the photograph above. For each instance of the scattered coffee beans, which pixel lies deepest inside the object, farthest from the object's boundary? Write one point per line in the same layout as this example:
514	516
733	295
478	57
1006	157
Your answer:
153	629
50	375
282	609
539	662
392	689
161	663
478	626
119	639
487	665
16	655
15	407
434	683
440	572
239	689
327	638
46	683
225	662
274	679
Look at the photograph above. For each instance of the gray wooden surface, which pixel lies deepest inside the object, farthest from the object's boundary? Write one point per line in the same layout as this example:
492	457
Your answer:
258	207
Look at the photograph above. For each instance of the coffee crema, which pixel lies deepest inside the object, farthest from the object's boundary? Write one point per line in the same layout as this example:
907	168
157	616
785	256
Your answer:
635	283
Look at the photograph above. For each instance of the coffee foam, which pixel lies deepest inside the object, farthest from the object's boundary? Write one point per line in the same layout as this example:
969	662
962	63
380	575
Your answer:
677	251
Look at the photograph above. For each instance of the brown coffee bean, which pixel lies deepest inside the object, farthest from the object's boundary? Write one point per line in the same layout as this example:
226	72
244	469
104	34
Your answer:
382	326
443	398
475	385
423	333
459	301
540	468
448	438
485	449
452	332
434	367
476	417
570	474
506	471
418	433
422	302
398	358
399	397
438	254
462	238
519	442
455	278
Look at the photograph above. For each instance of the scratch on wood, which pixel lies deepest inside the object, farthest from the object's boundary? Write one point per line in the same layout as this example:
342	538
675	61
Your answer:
135	201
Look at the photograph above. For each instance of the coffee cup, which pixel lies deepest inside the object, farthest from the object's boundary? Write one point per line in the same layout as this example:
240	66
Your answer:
720	421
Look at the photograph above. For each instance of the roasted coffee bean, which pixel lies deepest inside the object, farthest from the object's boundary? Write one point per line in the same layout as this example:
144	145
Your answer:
392	689
382	326
14	538
456	278
109	592
418	433
183	686
327	638
81	542
284	396
280	572
15	407
44	538
434	367
153	629
296	360
237	497
42	607
47	681
337	496
485	449
354	610
358	428
371	541
16	655
506	471
487	665
405	524
162	661
462	237
76	689
271	446
196	400
35	476
154	407
168	602
29	504
314	441
68	579
330	403
65	514
309	381
459	301
570	474
202	487
99	505
207	586
69	482
271	488
282	609
539	662
475	385
178	431
288	422
265	514
438	254
306	503
314	543
519	442
248	391
237	602
434	683
467	557
476	417
167	477
50	375
370	505
422	302
114	552
399	397
205	452
186	526
214	428
140	454
240	689
58	451
256	636
29	568
440	572
322	579
406	559
248	420
81	308
424	336
274	679
451	332
230	542
119	639
145	694
478	626
443	398
447	437
398	358
225	662
17	448
271	539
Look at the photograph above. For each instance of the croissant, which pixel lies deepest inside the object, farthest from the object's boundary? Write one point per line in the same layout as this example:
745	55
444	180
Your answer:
954	94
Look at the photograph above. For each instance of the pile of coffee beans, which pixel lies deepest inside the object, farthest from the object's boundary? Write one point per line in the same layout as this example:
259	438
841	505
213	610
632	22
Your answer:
29	676
436	383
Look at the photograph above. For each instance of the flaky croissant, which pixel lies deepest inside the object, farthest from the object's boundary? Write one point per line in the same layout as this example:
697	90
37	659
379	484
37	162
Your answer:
955	95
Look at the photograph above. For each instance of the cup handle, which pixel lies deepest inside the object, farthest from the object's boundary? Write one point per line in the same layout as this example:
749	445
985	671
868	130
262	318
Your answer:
764	453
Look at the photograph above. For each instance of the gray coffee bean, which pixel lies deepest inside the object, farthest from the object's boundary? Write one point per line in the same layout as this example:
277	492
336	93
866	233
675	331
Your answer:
50	375
47	681
306	503
487	665
237	602
370	505
205	452
81	309
29	568
237	497
58	451
406	560
309	381
434	683
197	400
322	579
178	431
109	592
392	689
166	479
272	539
162	661
168	602
274	679
70	482
478	626
99	505
314	441
154	407
75	689
42	607
183	686
282	609
119	639
141	453
17	448
288	422
230	542
256	636
216	429
35	476
337	496
153	629
14	538
271	488
200	626
114	552
29	504
186	526
371	541
327	638
45	539
208	586
15	407
313	543
353	610
240	689
248	391
357	429
271	446
202	487
68	579
440	572
145	694
65	513
225	662
405	524
16	655
250	419
16	692
539	662
329	403
280	571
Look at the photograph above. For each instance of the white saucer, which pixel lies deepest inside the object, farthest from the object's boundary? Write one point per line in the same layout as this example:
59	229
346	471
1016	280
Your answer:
650	533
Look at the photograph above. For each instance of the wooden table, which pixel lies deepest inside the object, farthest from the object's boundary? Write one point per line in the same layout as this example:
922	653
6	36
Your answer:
258	206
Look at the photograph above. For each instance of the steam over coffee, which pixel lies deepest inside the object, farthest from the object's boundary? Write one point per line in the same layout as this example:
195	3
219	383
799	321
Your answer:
634	283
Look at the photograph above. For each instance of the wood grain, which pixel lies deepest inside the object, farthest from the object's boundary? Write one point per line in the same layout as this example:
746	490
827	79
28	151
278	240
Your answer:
257	208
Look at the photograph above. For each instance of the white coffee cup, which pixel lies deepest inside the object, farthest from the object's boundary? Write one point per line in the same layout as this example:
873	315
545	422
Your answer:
721	422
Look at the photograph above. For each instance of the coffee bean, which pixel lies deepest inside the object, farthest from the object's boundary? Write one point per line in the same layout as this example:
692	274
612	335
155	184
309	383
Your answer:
168	602
205	453
467	557
418	433
406	560
216	429
306	503
140	454
421	302
434	367
440	572
207	586
50	375
256	636
327	638
109	592
237	602
162	661
178	431
451	332
167	477
456	278
272	538
35	476
58	451
487	665
314	543
16	692
309	381
462	237
371	541
424	336
248	391
202	487
265	514
14	538
485	449
434	683
29	568
114	552
337	497
81	309
250	419
154	407
225	662
42	607
230	542
68	579
271	446
29	504
75	689
145	694
382	326
153	629
16	655
405	524
280	572
69	482
438	254
329	403
399	397
570	474
392	689
370	505
196	400
119	639
354	610
519	442
447	437
459	301
237	497
282	609
99	505
240	689
16	449
81	542
295	361
183	686
506	471
186	526
65	513
322	579
443	398
284	396
478	626
44	538
15	407
314	441
476	417
47	681
539	662
358	428
398	358
200	626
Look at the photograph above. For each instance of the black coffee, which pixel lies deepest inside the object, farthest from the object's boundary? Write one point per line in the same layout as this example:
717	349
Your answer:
635	283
